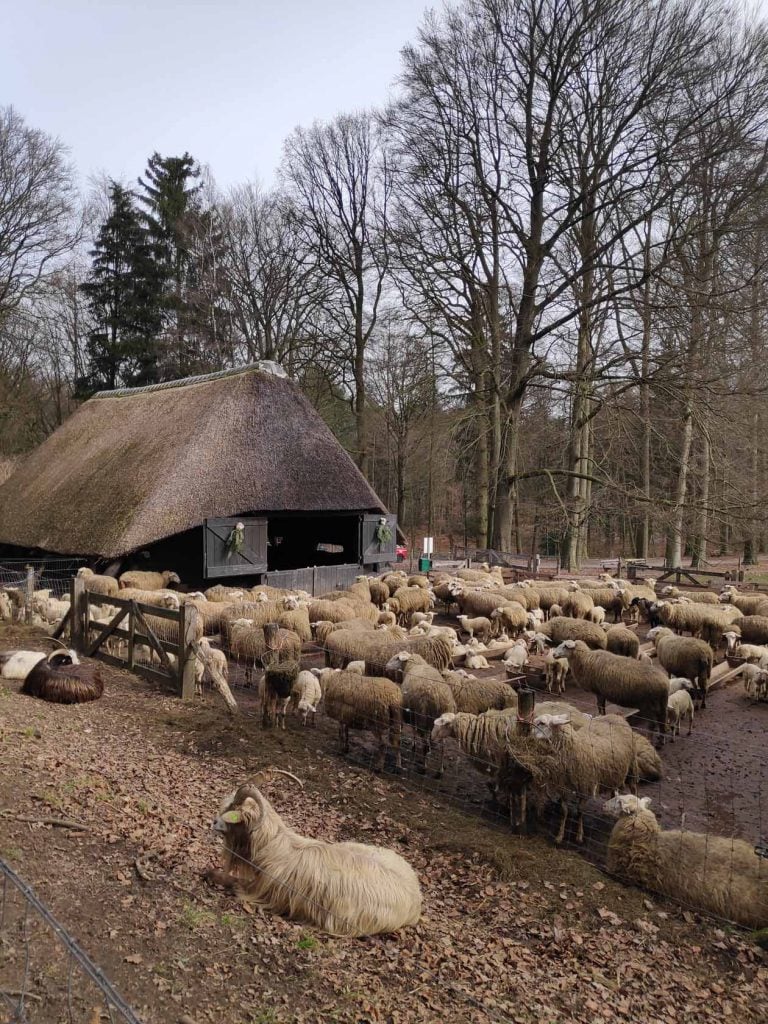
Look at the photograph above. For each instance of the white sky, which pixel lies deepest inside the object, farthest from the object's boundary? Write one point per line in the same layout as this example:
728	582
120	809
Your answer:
226	80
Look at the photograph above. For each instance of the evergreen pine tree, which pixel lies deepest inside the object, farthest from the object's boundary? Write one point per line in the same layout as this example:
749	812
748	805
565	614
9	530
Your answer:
170	200
124	295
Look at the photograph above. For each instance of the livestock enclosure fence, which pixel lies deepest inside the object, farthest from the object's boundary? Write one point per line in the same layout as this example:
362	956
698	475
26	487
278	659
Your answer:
45	975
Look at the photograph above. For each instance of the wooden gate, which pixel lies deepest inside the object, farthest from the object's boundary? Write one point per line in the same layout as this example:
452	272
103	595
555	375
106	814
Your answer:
219	557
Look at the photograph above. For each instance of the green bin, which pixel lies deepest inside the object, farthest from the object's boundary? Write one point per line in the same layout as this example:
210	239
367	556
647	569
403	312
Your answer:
425	563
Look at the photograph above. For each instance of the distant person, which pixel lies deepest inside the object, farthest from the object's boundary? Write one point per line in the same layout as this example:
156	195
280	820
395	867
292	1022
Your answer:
536	563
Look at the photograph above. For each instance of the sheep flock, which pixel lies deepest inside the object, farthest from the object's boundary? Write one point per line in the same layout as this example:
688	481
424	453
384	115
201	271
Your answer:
399	657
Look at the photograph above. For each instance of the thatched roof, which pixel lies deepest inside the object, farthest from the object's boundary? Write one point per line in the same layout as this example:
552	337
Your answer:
134	466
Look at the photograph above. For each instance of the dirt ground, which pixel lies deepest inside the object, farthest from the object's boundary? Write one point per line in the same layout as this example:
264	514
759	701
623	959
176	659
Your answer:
512	931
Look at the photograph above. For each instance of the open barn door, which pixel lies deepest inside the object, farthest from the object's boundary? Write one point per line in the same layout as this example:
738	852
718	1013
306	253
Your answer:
225	555
375	549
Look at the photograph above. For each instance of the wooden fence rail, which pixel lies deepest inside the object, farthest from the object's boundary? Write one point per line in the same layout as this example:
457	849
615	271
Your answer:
177	648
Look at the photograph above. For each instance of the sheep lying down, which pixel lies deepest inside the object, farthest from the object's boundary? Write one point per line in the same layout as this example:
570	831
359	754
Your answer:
343	888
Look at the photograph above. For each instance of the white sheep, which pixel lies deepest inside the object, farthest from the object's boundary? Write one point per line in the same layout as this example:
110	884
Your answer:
755	681
677	683
480	624
596	615
356	666
556	669
306	694
754	653
517	655
476	661
420	617
679	707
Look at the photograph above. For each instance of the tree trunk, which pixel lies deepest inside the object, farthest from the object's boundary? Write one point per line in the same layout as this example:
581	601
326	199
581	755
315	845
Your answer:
675	543
481	465
700	545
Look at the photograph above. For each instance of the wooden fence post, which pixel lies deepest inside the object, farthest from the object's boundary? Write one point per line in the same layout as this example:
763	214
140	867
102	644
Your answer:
77	599
526	701
187	655
30	590
272	653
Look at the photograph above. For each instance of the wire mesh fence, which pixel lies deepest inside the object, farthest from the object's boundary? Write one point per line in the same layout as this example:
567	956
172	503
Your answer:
45	976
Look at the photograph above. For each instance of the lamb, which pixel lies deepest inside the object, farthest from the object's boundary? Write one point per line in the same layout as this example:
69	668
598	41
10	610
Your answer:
516	658
346	889
679	707
305	695
368	703
556	670
623	681
562	628
677	683
480	625
684	656
475	662
61	679
419	617
753	653
621	640
148	580
597	757
720	876
426	696
105	585
755	681
596	615
52	610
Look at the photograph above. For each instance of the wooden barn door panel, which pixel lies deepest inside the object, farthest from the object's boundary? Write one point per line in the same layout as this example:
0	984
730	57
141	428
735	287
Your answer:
371	552
219	562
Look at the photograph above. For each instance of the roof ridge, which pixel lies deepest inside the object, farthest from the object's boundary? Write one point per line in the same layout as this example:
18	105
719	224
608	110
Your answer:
259	366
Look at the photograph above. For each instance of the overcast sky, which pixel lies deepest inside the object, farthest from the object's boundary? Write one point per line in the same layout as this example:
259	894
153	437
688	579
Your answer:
226	80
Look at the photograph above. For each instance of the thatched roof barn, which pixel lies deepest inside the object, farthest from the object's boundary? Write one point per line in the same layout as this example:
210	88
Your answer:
135	468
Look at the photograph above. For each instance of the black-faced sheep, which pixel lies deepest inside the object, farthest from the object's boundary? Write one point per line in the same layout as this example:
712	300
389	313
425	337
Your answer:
717	875
684	656
347	889
278	683
623	681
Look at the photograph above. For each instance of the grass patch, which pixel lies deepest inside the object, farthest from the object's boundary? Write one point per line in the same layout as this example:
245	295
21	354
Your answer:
194	918
234	921
307	942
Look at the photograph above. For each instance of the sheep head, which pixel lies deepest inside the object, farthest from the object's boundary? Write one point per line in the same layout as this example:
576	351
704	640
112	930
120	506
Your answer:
627	803
545	727
731	639
84	571
565	650
443	727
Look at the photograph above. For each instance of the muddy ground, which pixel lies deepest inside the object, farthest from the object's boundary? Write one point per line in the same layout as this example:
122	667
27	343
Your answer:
512	930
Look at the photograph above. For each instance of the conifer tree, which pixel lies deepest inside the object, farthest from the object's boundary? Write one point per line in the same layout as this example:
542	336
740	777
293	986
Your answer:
171	205
124	293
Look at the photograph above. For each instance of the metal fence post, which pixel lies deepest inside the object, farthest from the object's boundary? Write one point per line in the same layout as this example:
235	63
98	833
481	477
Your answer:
187	656
77	598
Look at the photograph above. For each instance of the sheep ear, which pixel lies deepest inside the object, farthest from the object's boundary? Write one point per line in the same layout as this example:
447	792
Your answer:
232	817
557	720
644	803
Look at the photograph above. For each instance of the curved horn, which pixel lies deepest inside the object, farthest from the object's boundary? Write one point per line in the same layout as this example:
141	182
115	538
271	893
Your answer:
54	640
264	777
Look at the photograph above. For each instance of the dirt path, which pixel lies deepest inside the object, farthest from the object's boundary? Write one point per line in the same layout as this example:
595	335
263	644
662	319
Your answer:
512	930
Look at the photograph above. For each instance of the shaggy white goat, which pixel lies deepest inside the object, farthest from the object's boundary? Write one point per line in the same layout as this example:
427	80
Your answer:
346	889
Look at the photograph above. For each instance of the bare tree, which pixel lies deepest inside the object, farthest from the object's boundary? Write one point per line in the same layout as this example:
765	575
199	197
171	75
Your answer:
274	285
37	207
338	176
